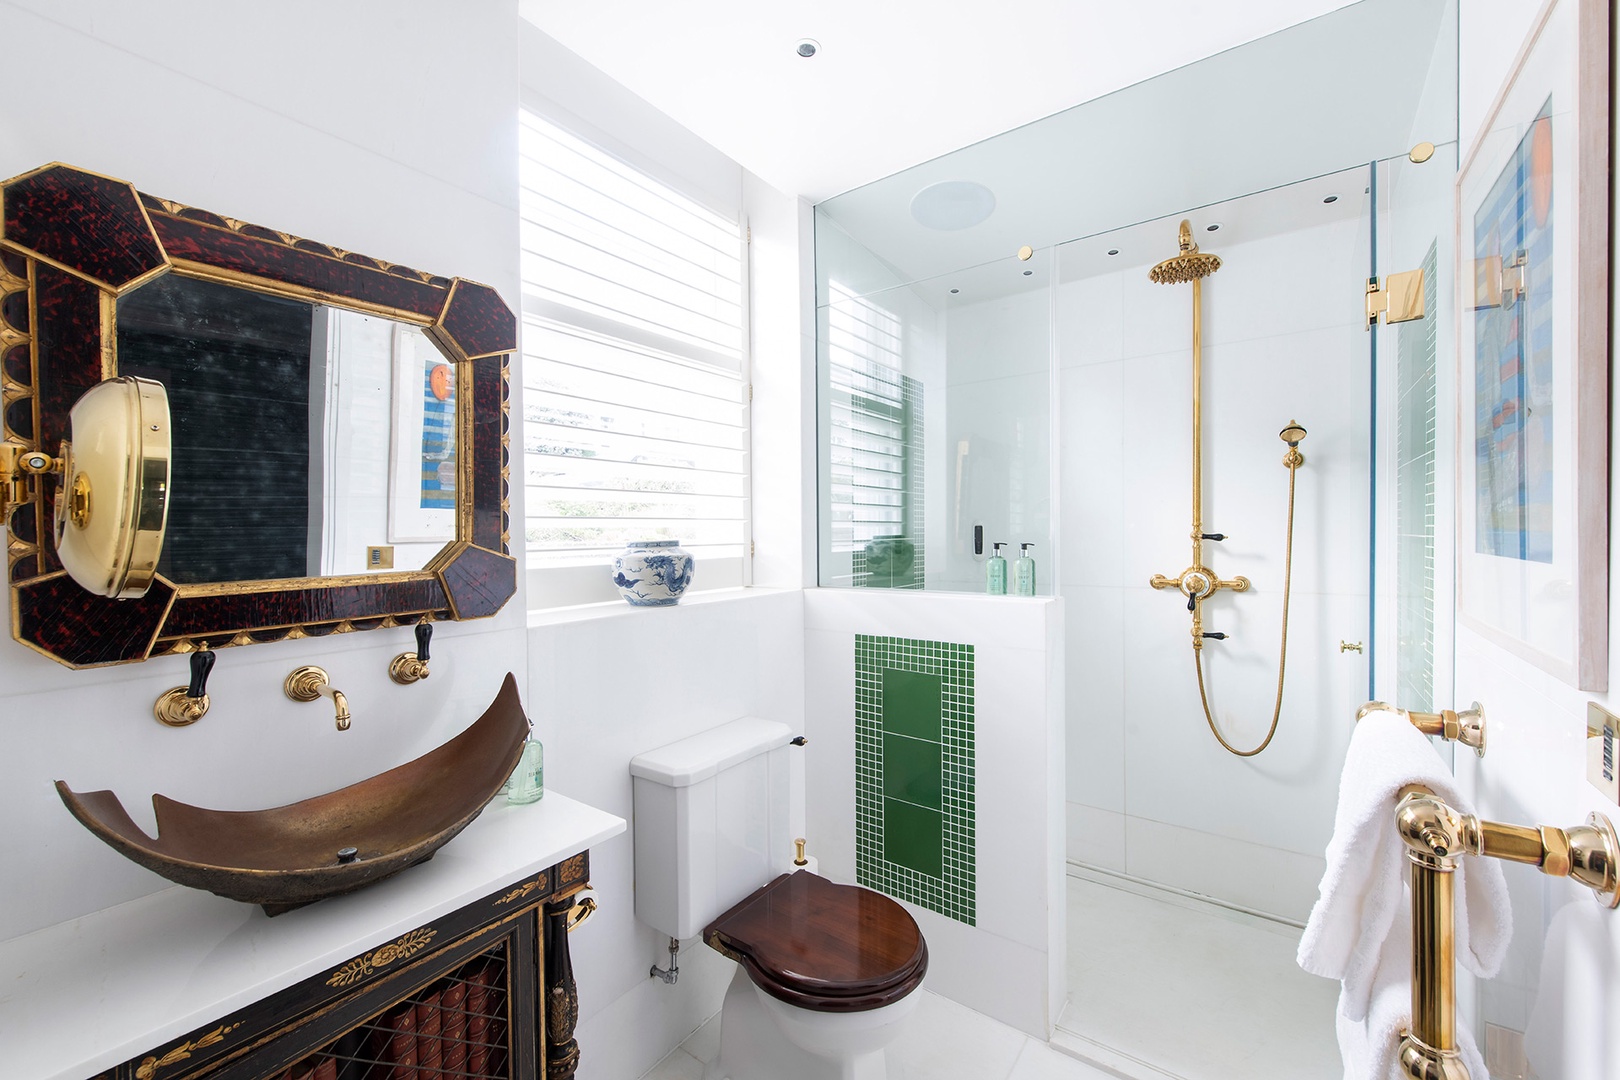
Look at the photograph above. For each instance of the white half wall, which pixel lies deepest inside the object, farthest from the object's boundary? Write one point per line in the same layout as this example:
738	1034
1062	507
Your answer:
1012	964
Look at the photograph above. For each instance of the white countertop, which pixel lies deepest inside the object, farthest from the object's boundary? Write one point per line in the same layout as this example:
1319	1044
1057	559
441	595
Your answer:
90	993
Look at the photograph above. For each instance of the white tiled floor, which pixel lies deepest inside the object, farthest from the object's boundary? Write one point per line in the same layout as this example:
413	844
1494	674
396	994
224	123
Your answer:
1160	986
944	1040
1192	990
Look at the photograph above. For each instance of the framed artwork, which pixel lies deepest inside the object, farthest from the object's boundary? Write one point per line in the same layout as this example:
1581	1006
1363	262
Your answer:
422	480
1533	350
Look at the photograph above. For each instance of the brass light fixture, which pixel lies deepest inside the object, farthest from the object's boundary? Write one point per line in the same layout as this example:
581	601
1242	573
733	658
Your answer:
112	498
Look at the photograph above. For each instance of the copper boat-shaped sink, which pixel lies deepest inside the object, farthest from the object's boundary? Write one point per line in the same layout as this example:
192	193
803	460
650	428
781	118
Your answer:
288	856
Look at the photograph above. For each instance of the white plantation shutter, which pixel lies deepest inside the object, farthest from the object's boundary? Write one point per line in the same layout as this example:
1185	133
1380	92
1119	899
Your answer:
635	397
867	455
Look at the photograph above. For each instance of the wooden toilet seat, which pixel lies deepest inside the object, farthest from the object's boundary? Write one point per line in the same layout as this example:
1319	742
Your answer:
822	946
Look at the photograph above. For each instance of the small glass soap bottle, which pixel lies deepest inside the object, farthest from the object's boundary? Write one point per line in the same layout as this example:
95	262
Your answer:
1024	571
528	781
995	572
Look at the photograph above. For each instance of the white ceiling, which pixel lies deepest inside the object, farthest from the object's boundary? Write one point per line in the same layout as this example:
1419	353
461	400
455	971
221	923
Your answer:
1292	105
897	82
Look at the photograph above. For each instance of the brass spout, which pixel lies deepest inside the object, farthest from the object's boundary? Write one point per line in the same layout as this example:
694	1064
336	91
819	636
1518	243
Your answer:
342	704
310	682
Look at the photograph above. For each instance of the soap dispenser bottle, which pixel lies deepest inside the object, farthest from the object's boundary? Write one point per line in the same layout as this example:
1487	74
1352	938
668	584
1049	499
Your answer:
995	572
1024	571
527	783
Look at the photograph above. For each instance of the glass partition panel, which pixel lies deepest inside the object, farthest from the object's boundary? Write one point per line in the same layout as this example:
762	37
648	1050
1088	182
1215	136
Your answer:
935	422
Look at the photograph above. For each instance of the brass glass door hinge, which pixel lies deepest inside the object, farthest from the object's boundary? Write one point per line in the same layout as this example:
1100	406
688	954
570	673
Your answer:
1500	282
1399	299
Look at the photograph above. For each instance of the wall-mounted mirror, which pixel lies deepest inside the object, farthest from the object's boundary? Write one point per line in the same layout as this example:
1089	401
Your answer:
338	423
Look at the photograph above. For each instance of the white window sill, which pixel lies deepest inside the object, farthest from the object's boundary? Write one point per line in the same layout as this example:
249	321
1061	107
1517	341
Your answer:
618	609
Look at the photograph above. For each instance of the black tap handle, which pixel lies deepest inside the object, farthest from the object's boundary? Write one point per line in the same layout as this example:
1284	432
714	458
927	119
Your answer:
202	662
1213	536
424	637
1192	603
1217	636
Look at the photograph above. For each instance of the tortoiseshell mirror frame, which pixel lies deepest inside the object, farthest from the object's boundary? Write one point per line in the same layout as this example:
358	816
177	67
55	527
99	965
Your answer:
73	241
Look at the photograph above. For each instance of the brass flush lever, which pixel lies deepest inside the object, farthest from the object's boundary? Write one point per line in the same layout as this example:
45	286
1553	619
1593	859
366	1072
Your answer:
184	705
310	682
407	668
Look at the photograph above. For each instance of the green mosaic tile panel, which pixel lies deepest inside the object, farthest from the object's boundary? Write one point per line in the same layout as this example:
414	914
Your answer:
911	703
914	772
913	837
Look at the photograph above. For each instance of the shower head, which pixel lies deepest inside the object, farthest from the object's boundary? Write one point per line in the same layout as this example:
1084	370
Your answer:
1190	265
1293	434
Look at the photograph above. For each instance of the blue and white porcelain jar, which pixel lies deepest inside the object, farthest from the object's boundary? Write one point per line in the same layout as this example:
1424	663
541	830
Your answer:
652	573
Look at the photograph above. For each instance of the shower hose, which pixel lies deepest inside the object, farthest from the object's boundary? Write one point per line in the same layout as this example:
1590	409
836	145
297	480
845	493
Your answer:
1293	460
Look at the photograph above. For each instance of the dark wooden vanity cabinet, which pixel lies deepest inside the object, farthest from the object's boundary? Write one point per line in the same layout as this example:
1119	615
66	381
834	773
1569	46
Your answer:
486	991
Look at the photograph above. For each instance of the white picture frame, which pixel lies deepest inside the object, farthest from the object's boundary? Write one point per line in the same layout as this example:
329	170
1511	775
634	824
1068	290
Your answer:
1532	232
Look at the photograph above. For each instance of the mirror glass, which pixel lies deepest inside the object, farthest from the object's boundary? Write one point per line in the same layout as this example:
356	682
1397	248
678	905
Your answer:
267	482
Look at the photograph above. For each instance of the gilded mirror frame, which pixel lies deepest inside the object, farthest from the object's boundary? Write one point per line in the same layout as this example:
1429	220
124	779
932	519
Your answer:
71	243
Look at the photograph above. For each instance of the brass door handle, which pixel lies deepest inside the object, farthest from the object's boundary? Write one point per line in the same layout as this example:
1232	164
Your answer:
1350	646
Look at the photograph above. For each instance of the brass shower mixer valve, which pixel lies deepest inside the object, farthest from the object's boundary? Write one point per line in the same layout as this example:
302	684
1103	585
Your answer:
1198	583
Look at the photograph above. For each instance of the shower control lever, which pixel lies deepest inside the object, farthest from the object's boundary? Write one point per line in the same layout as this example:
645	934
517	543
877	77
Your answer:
1212	536
1216	634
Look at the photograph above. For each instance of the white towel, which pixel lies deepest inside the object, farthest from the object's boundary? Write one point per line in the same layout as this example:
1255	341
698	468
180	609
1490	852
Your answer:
1571	1034
1365	884
1368	1047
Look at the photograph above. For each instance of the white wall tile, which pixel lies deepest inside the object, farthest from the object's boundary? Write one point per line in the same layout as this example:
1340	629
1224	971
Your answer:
1090	321
1094	474
1095	707
1096	837
1256	876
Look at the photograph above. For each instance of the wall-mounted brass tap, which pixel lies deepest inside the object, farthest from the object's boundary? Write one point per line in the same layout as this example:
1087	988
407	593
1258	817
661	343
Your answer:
406	668
185	705
310	682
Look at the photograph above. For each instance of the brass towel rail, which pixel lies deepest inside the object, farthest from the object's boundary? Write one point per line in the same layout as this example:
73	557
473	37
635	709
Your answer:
1466	727
1437	838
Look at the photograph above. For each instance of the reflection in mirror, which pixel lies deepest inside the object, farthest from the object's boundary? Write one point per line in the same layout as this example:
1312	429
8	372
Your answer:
267	483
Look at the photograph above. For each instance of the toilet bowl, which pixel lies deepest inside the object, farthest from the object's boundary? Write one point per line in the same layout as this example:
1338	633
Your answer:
826	973
832	969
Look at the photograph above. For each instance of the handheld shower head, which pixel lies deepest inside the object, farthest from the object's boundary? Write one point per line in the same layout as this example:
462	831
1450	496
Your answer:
1293	434
1190	265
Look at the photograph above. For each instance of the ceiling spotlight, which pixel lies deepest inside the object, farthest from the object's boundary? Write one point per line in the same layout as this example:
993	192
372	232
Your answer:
1113	251
1331	199
956	290
1213	226
808	47
1028	272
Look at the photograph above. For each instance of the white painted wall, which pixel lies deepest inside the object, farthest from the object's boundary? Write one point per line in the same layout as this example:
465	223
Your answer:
199	103
616	684
1535	770
611	681
247	112
1011	965
1144	774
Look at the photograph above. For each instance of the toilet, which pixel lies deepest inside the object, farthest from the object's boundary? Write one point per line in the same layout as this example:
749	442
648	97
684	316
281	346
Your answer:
826	973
